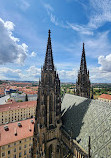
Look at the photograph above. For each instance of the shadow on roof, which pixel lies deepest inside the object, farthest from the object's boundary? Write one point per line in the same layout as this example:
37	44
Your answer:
72	118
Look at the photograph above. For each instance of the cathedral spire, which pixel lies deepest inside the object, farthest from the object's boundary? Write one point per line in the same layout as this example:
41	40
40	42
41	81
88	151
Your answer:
48	64
83	66
83	82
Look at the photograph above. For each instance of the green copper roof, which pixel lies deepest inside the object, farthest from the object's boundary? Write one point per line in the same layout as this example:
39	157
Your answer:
85	117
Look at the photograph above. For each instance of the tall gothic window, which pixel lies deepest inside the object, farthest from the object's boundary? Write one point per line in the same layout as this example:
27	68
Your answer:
46	79
50	108
50	151
45	113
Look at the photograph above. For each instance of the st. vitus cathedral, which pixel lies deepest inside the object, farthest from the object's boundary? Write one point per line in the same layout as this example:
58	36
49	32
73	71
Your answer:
83	82
50	139
47	141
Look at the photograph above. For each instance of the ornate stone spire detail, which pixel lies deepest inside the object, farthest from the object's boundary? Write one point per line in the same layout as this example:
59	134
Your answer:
83	66
83	82
48	111
48	64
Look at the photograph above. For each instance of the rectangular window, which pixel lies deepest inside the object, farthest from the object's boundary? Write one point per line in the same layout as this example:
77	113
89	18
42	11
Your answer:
8	152
15	150
20	154
19	147
8	146
20	141
14	143
3	147
25	146
14	156
25	152
30	150
3	154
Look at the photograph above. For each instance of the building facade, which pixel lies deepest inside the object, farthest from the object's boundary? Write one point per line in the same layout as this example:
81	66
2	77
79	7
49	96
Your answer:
17	111
50	138
48	112
16	139
83	82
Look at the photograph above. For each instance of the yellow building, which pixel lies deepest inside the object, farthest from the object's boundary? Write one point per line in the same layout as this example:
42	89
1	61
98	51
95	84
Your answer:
16	139
17	111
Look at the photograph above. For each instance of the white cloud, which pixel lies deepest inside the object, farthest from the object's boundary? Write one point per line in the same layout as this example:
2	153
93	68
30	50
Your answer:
34	71
33	54
81	29
9	25
48	7
53	19
23	4
101	13
7	73
68	75
97	45
99	76
105	63
31	74
10	50
50	11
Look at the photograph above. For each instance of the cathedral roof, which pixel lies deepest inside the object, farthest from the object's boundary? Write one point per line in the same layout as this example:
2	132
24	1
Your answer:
85	117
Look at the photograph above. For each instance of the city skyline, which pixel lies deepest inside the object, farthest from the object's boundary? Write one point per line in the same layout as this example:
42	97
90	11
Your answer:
24	27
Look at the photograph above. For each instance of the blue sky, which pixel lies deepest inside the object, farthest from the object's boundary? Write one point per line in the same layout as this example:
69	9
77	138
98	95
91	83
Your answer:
24	28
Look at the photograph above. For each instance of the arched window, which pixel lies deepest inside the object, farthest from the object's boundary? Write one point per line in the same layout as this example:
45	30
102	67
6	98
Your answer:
46	79
50	151
45	112
50	108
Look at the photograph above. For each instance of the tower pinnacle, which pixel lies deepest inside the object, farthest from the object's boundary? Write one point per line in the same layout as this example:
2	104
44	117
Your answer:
48	64
83	82
83	66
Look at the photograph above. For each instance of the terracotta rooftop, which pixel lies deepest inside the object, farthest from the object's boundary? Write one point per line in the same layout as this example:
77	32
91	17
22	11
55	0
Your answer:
105	96
16	133
17	105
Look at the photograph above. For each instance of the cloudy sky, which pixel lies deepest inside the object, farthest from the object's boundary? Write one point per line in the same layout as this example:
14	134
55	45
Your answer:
24	28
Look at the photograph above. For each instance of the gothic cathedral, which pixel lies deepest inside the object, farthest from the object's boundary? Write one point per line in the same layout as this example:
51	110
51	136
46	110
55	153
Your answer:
47	136
83	82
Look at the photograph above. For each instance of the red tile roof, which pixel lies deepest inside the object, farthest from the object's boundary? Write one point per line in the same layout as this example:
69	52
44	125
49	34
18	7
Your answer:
17	105
105	96
23	132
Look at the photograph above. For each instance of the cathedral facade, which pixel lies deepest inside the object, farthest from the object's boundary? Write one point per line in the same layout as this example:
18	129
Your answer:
50	139
83	82
47	138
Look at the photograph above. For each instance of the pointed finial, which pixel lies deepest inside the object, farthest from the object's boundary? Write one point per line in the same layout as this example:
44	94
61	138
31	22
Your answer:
49	32
83	46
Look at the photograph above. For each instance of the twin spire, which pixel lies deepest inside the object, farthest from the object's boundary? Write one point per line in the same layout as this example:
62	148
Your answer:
49	64
83	66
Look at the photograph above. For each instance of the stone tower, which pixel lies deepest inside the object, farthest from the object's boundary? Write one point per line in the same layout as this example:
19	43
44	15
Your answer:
47	137
83	82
